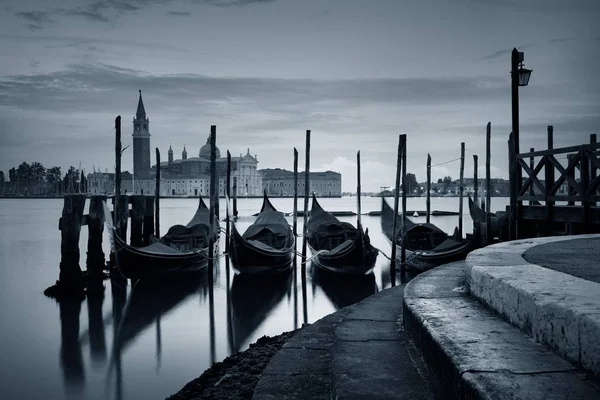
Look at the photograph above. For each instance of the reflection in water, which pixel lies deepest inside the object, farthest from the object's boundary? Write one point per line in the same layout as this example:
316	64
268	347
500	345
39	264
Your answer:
149	300
118	287
344	290
252	299
96	329
71	361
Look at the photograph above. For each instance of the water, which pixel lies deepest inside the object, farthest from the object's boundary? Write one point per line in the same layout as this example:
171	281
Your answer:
42	357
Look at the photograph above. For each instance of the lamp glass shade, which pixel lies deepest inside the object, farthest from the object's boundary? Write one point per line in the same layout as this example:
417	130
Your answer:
524	75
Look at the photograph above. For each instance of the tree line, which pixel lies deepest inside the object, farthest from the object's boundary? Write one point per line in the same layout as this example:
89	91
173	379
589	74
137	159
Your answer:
36	180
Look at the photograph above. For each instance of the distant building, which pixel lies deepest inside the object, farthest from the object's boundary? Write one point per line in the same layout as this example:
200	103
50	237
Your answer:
280	182
179	177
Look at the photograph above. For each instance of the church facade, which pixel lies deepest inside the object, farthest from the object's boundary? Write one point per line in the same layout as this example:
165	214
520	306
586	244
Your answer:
185	176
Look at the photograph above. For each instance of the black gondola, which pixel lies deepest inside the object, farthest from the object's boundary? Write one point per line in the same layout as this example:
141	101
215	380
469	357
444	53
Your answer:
267	246
182	249
426	245
338	246
498	220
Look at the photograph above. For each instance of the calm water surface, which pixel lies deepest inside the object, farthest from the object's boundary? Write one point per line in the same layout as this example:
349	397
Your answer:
171	335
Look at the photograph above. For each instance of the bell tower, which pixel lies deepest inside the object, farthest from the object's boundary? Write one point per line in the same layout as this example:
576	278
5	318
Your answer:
141	141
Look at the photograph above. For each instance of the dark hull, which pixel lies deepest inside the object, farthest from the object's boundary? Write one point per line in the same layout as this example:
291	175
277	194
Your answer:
422	259
425	260
136	263
252	253
358	259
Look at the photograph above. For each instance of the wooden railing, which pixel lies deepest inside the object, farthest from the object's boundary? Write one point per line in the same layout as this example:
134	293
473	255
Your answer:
567	174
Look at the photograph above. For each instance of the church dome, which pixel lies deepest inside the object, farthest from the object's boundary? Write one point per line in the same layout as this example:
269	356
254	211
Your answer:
205	150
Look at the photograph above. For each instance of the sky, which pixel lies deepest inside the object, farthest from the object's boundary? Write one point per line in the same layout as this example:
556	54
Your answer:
357	73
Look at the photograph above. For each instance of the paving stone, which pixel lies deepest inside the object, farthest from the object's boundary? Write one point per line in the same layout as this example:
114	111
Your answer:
301	387
361	330
547	386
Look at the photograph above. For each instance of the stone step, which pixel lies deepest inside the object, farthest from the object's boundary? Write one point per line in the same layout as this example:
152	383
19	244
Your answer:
554	308
474	353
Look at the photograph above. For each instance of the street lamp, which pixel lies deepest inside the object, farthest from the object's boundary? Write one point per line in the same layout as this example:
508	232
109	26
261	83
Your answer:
519	77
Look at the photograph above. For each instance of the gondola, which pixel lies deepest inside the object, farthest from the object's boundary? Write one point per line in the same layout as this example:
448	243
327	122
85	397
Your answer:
426	245
267	246
194	234
498	220
182	249
338	246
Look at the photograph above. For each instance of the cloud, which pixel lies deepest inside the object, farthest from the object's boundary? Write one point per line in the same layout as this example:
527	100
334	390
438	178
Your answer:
179	13
107	10
502	53
231	3
36	19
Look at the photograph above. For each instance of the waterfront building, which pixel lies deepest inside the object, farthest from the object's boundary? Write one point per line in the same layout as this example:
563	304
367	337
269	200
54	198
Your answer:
280	182
187	176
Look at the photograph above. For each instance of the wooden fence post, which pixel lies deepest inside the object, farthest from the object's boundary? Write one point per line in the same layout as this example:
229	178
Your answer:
549	178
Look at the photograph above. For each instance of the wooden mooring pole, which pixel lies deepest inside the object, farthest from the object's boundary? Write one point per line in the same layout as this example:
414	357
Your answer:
512	173
228	193
488	183
295	230
475	179
138	210
403	240
148	227
461	189
304	227
70	278
395	220
211	208
428	201
95	255
235	190
593	169
157	197
358	190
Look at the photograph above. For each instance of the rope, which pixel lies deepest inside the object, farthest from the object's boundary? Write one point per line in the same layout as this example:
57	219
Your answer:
446	162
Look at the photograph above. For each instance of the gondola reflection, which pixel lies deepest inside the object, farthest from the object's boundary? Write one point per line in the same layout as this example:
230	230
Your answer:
253	297
96	329
71	359
344	290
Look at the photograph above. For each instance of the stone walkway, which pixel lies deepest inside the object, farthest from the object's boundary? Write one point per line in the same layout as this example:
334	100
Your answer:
359	352
577	258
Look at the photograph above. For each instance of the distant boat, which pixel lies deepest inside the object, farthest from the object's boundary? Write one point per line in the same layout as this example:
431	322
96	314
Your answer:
498	220
338	246
426	245
267	246
416	214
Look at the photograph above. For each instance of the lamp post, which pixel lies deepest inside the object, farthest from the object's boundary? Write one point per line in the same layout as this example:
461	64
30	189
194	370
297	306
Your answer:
519	77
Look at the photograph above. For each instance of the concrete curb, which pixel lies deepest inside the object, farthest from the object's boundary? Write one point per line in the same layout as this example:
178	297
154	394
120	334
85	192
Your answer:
475	354
554	308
